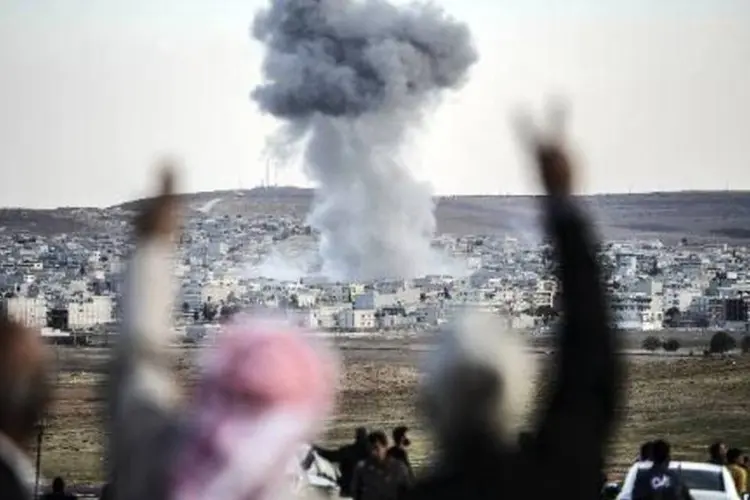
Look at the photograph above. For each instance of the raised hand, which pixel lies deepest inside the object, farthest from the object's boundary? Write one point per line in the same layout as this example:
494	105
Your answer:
548	149
159	218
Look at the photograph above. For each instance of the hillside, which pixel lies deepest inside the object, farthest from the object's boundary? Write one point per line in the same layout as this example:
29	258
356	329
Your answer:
720	216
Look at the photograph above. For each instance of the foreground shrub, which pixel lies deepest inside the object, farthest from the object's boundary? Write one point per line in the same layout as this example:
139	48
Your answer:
722	342
671	345
651	343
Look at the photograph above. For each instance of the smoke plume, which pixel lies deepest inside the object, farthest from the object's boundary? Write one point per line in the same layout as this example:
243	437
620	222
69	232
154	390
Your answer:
350	79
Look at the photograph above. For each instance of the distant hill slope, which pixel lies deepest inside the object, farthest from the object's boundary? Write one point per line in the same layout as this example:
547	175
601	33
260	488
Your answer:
720	216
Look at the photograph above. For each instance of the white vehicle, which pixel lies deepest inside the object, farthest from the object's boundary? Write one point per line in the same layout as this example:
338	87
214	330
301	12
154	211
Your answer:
705	481
310	471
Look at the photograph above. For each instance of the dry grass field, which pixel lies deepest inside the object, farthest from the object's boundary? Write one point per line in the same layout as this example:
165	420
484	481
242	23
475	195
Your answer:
689	401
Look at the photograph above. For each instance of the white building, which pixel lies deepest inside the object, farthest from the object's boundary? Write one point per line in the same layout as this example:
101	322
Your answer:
637	311
372	299
680	298
521	321
337	293
216	249
218	290
31	312
325	316
357	319
429	314
306	299
626	264
90	312
649	287
190	294
544	295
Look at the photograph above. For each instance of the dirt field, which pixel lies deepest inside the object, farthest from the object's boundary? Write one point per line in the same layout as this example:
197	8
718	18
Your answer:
689	401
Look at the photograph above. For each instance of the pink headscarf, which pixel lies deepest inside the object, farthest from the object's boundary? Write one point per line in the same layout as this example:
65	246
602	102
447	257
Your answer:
265	390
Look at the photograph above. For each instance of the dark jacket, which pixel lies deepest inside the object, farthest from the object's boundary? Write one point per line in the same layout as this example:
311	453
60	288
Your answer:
577	419
347	457
398	453
660	483
10	486
376	480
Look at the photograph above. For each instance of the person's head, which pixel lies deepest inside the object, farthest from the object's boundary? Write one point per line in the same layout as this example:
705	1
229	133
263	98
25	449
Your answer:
58	485
378	444
660	452
360	435
647	450
734	455
24	381
718	450
478	384
400	437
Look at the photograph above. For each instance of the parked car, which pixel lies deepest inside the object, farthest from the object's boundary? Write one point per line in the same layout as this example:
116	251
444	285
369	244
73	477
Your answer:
310	471
705	481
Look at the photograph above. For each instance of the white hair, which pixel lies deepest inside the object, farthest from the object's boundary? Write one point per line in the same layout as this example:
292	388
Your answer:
453	397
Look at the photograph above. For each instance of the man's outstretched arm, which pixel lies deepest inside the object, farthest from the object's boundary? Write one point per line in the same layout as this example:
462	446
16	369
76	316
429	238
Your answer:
141	391
579	416
330	455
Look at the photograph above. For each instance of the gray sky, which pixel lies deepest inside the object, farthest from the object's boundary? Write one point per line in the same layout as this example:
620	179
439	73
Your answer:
92	92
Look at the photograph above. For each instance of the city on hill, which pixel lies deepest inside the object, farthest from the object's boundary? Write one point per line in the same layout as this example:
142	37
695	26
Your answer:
674	260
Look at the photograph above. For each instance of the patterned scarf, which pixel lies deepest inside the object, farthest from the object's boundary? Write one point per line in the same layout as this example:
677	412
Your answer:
266	388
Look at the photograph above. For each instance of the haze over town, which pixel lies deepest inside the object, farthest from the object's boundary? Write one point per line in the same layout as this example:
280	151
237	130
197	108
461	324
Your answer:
93	93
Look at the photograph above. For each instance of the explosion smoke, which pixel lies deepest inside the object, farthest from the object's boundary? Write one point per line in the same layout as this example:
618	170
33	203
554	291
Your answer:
350	79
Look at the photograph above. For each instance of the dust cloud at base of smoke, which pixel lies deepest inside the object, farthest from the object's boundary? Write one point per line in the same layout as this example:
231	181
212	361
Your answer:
292	266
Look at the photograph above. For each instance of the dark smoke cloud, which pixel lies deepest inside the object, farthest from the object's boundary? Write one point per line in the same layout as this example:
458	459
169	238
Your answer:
350	79
344	58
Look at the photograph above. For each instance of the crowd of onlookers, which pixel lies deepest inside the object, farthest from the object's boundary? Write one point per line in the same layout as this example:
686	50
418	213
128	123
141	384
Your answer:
373	470
737	461
655	456
370	468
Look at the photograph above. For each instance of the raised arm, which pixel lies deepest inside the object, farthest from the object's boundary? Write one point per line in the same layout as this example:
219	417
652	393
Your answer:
141	391
330	455
578	419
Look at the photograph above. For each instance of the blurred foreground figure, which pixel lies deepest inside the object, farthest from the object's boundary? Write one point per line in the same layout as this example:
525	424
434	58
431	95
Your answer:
479	382
24	395
263	390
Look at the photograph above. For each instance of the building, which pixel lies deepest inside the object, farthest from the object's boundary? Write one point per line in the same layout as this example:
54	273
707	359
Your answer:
357	319
325	317
373	299
220	290
88	313
29	311
679	298
637	311
544	295
735	310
